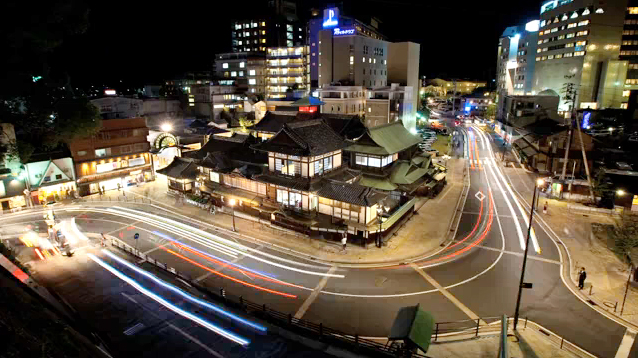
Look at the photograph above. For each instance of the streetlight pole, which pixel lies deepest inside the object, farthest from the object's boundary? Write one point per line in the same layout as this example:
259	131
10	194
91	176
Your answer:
232	205
378	238
539	182
622	308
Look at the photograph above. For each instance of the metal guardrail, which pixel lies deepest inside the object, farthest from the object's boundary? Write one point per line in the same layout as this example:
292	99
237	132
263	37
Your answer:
261	311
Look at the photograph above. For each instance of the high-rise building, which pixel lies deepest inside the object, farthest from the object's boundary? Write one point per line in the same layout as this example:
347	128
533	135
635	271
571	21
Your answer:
347	57
331	18
276	25
403	69
246	70
629	49
286	73
516	59
579	42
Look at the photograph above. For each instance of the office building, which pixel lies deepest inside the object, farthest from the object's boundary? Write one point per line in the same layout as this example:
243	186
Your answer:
111	107
209	101
115	157
579	42
176	87
328	19
286	74
516	59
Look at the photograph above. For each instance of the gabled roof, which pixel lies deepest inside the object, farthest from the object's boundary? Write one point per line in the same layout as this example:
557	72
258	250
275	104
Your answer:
350	193
222	144
215	130
303	138
383	140
180	168
273	121
404	172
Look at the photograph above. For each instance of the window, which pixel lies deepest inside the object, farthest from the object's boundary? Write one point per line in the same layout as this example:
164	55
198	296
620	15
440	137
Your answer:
233	74
241	73
363	59
569	36
633	10
263	23
351	60
58	176
242	64
251	72
225	64
81	153
102	152
582	33
583	23
289	28
252	81
573	24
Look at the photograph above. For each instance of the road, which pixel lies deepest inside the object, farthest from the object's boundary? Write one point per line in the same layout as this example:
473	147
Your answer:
475	277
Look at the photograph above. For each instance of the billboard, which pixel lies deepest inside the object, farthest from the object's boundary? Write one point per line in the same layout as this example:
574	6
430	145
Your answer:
330	17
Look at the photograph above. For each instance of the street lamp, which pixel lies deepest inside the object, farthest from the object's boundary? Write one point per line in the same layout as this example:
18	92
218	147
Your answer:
620	192
232	205
166	127
539	183
378	238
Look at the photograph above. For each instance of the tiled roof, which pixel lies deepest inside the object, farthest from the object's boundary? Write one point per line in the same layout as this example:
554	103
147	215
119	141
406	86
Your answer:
273	121
350	193
180	168
303	138
386	139
222	144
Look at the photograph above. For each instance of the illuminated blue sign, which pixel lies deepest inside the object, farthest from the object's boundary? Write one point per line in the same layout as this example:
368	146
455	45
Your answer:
586	119
468	108
343	32
331	17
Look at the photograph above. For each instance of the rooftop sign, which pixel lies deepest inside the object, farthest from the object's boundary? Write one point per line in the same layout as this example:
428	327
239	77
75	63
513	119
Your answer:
343	32
330	17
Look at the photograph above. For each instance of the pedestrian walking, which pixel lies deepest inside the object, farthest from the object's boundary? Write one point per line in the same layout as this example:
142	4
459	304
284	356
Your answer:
344	242
103	240
545	208
582	275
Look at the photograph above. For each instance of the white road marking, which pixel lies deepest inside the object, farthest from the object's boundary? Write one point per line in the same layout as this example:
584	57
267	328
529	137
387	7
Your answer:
191	338
625	345
205	276
155	248
446	293
123	227
306	304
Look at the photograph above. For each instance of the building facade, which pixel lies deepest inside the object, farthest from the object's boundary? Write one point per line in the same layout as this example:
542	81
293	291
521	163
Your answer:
516	59
286	73
350	58
117	156
390	104
629	49
343	99
119	107
12	179
403	69
579	42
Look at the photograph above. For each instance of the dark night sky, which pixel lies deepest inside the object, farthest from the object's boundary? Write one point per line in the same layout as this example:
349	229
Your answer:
143	43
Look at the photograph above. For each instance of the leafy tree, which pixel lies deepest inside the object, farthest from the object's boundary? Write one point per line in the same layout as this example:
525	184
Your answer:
603	188
625	240
490	111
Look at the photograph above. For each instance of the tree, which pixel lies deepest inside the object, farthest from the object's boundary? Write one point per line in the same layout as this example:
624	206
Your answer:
603	188
490	112
625	239
30	95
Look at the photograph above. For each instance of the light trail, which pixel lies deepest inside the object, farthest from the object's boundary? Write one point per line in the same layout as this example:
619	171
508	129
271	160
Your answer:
230	266
222	332
239	250
279	293
184	294
166	237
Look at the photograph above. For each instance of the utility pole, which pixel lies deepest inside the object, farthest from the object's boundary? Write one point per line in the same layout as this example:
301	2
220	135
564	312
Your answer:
585	163
569	89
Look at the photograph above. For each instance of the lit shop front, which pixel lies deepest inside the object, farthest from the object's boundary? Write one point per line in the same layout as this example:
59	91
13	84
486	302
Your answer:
114	173
55	192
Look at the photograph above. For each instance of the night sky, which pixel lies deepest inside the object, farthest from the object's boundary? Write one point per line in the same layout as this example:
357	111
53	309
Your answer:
145	43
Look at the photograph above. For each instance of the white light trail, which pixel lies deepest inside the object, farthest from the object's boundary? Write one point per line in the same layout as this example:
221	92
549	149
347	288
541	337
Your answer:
222	332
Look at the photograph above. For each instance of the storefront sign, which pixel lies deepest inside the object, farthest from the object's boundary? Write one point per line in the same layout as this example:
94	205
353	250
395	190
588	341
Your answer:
3	192
330	17
107	167
343	32
136	161
634	203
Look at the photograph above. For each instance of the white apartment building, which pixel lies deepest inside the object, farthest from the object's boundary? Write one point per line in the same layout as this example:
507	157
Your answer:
286	72
209	101
517	59
119	107
343	99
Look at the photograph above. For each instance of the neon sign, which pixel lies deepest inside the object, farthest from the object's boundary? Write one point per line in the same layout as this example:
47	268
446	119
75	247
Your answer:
343	32
330	17
586	120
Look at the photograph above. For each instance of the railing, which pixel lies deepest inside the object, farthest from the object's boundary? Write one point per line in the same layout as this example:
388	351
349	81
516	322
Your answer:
287	321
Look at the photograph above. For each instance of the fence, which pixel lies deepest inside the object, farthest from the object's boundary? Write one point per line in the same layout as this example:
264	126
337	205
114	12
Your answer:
299	326
443	331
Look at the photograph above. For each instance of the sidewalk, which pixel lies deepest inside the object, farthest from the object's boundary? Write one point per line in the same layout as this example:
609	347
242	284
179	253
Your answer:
524	343
421	235
606	273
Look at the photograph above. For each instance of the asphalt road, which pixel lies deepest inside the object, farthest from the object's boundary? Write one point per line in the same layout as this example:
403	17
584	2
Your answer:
476	276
